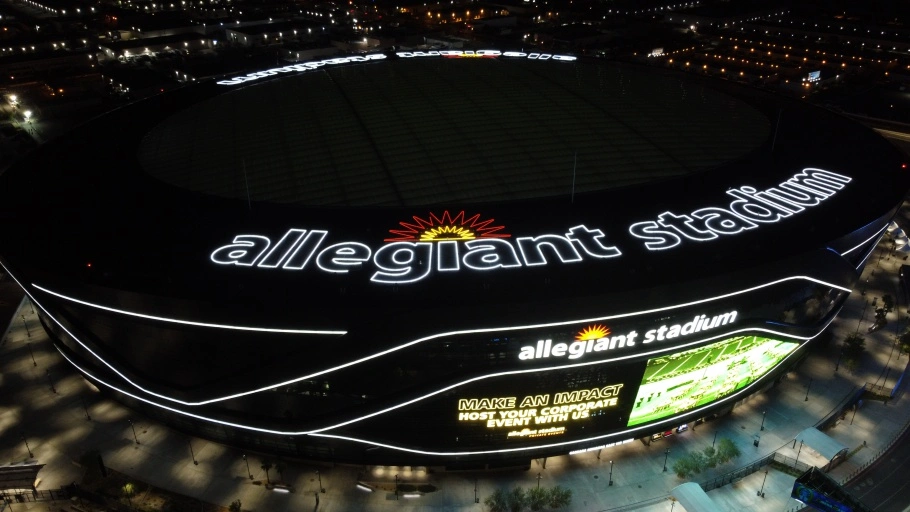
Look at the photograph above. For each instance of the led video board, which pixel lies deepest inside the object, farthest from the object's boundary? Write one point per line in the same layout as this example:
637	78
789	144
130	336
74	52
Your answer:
680	382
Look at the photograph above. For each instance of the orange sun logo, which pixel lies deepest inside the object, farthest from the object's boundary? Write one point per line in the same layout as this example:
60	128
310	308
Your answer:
592	333
438	228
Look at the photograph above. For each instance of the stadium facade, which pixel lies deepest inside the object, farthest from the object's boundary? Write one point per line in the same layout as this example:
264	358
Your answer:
450	258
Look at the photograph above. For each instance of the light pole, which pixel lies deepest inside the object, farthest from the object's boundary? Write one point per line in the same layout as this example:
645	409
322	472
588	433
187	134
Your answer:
84	406
29	345
611	473
666	456
396	486
247	467
538	480
476	499
761	492
321	488
27	447
797	453
807	390
49	381
134	431
762	420
715	439
192	454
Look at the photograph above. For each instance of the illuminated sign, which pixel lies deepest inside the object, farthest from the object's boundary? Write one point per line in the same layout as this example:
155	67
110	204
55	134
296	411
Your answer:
441	243
535	410
453	243
680	382
814	76
597	338
750	209
309	66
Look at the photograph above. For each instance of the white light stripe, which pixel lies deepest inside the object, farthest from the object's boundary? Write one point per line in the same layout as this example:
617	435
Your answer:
878	233
420	340
557	445
190	322
411	450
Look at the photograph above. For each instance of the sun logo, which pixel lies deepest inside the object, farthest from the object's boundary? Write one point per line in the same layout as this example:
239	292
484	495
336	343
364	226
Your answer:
445	227
593	332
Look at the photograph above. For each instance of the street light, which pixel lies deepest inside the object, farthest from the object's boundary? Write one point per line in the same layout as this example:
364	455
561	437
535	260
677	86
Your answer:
27	447
611	473
761	491
538	481
49	381
29	344
807	390
666	456
321	488
763	420
247	467
797	453
28	116
192	454
134	431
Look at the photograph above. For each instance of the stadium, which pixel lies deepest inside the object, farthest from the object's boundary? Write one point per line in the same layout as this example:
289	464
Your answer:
455	258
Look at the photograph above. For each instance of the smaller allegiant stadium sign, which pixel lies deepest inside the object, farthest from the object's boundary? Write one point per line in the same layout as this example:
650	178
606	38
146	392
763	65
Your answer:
450	243
598	338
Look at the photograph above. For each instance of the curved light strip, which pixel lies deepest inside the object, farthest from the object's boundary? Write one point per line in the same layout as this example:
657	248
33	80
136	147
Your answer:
877	233
190	322
411	450
434	336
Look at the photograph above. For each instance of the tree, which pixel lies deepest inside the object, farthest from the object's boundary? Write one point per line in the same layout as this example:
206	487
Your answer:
560	497
711	457
498	501
266	466
235	506
904	340
517	499
699	461
128	490
727	450
887	303
682	467
537	498
854	346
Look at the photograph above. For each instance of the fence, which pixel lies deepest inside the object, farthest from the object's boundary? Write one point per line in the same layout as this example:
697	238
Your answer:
30	496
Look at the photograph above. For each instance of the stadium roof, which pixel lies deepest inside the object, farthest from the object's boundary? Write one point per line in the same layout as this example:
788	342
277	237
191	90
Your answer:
421	132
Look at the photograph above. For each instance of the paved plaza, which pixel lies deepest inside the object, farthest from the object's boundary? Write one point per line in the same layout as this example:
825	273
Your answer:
46	403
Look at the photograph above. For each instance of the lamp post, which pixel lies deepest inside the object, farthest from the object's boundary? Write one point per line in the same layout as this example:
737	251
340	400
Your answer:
321	488
761	491
807	390
715	439
476	499
192	454
538	480
29	345
49	381
798	452
396	486
84	406
611	473
247	467
666	456
134	431
27	447
762	420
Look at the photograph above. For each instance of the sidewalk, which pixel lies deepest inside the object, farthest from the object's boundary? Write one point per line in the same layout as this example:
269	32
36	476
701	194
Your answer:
59	433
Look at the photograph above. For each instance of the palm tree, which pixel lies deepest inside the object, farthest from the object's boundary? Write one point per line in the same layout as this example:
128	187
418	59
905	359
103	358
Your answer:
266	466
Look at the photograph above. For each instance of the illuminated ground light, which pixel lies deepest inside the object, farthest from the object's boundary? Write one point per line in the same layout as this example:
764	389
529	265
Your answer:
676	383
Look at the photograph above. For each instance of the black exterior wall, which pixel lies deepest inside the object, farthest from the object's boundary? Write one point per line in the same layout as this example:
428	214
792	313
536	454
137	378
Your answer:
341	367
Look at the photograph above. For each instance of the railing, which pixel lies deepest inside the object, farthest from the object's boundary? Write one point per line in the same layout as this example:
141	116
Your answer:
32	496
